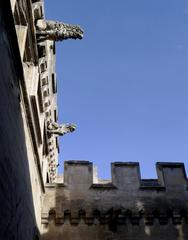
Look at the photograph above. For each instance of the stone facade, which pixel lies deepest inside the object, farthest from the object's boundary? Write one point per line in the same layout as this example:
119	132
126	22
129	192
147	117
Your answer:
126	207
36	203
18	166
28	154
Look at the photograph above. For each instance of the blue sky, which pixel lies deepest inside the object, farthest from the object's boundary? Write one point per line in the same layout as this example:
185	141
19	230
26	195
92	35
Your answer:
125	84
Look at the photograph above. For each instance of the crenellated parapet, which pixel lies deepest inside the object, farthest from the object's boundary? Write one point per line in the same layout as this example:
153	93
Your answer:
126	198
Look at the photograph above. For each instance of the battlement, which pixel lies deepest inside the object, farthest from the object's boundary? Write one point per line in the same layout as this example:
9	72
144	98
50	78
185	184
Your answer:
125	175
126	194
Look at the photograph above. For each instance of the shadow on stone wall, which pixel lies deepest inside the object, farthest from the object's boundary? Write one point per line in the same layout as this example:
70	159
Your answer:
116	231
17	217
136	209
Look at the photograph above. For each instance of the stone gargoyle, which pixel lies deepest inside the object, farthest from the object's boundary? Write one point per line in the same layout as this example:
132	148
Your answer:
57	31
60	129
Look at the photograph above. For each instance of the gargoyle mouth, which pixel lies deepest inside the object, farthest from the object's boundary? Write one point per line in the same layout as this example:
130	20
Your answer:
72	128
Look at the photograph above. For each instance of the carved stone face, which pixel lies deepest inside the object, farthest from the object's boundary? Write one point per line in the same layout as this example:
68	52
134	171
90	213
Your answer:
58	31
72	127
79	31
73	31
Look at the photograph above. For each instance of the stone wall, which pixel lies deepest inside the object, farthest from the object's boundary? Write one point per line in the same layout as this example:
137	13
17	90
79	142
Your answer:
17	215
126	207
80	206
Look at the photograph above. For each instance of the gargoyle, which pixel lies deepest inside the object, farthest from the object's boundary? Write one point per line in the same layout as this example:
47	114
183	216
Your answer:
57	31
60	129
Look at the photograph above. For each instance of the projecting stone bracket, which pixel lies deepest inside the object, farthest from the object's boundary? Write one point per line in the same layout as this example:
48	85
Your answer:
60	129
115	216
57	31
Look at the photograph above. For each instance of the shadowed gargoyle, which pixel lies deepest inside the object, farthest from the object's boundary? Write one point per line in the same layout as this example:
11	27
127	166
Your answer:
57	31
60	129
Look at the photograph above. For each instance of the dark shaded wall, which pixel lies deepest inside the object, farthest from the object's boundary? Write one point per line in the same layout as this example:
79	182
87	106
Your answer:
125	208
17	217
124	232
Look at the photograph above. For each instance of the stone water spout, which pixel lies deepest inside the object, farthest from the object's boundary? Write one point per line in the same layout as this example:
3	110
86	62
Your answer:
57	31
60	129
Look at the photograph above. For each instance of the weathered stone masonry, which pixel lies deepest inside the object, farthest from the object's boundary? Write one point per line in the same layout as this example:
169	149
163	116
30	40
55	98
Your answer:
127	207
80	206
16	200
28	91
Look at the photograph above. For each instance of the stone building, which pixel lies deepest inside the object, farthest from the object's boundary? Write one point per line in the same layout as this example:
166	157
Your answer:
34	205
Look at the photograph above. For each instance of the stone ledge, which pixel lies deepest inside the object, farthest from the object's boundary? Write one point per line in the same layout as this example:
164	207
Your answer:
74	162
125	164
103	186
120	217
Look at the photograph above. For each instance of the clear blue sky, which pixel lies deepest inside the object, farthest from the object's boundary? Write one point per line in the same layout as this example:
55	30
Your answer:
125	84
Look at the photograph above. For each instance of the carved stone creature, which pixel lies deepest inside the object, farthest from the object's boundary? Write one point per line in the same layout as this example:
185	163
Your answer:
60	129
57	31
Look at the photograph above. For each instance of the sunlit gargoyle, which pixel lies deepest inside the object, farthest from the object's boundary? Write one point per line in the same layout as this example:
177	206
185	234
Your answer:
57	31
60	129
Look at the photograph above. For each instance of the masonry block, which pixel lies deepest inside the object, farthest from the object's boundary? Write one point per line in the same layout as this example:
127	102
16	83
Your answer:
172	175
13	3
21	34
78	174
38	10
126	175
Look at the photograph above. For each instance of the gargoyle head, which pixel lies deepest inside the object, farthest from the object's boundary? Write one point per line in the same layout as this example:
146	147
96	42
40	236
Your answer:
73	31
71	127
58	31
